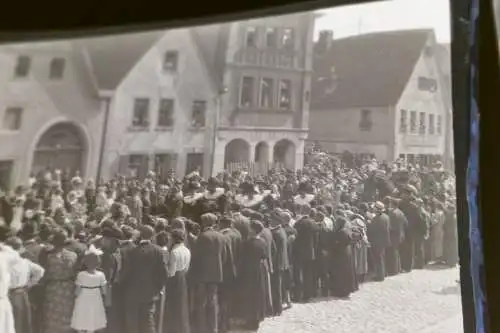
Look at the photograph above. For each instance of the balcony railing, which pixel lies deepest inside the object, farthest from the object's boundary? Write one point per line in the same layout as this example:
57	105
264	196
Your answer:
268	58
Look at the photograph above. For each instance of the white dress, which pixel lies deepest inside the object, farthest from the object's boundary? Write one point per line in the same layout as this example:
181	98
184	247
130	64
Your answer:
7	257
89	313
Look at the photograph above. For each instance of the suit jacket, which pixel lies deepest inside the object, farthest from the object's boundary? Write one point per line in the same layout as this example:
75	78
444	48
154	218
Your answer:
379	231
267	236
144	273
306	242
208	256
280	255
233	250
398	226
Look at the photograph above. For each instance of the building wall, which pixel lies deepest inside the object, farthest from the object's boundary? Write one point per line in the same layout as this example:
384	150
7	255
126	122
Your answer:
46	103
413	99
266	121
148	80
339	130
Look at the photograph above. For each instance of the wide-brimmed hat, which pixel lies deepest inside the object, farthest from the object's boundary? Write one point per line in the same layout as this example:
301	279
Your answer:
379	206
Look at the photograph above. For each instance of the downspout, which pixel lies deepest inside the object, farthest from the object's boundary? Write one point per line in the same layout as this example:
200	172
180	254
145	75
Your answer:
107	101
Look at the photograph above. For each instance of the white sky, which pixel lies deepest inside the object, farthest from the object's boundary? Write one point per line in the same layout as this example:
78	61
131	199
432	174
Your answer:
387	15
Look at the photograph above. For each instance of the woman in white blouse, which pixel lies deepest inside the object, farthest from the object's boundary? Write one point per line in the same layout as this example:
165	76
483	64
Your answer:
177	307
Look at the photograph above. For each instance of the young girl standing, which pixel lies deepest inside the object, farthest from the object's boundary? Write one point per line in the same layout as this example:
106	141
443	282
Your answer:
89	314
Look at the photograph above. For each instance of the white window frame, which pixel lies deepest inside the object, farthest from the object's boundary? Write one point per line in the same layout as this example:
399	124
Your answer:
273	94
240	95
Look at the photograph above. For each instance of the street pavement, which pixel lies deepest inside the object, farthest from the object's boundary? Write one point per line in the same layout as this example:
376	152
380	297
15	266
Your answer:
423	301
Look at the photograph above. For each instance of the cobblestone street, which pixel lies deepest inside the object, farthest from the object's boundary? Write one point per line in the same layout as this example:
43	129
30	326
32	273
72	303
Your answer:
423	301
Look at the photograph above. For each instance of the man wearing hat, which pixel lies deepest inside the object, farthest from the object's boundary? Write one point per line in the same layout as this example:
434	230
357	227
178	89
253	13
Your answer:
144	274
280	261
208	258
380	239
399	223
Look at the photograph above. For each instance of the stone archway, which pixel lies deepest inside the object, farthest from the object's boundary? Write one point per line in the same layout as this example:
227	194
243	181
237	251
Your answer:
284	154
236	151
60	147
262	152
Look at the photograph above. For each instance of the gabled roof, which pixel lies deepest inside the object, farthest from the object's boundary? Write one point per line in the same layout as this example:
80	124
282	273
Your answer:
112	57
212	42
370	70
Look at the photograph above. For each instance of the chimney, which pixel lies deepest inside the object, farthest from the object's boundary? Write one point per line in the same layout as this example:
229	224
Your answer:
324	41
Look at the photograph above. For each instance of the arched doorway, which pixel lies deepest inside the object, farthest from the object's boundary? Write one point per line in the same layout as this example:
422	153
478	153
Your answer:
284	153
237	151
60	147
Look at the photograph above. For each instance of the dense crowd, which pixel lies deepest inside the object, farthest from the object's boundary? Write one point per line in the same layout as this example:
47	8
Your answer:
189	255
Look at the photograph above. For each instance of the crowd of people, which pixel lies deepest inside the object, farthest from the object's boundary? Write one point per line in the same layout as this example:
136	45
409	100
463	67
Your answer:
188	255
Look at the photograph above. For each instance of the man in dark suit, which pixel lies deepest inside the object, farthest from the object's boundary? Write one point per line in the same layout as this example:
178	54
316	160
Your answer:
228	291
380	239
144	274
280	262
208	257
397	230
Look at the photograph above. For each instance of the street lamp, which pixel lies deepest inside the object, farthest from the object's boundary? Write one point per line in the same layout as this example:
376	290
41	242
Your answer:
215	126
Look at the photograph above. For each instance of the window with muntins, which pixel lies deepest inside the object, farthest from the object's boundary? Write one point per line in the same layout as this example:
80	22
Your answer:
251	37
12	119
271	37
23	66
171	61
403	121
288	38
198	115
285	95
413	121
431	123
141	113
365	121
266	93
166	113
247	92
57	66
439	125
421	123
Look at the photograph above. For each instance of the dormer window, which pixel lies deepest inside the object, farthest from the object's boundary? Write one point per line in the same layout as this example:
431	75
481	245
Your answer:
171	61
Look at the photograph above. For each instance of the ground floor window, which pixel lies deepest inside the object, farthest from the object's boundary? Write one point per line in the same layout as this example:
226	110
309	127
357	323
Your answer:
194	163
6	168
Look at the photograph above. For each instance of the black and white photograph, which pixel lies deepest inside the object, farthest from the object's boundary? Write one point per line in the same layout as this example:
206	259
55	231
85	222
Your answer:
278	174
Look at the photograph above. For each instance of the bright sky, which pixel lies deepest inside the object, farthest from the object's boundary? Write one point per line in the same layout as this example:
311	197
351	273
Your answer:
387	15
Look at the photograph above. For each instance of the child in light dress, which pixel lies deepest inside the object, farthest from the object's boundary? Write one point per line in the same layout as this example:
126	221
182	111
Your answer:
89	314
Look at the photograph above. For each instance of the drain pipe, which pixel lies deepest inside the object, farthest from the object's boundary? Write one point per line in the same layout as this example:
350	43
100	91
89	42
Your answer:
107	101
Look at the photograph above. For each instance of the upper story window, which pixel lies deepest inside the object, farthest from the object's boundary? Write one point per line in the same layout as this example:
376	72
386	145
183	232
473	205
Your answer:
266	93
427	84
413	121
366	121
171	61
166	113
403	121
199	113
271	37
251	37
23	66
439	125
141	113
57	66
431	124
288	38
247	91
421	123
12	119
285	95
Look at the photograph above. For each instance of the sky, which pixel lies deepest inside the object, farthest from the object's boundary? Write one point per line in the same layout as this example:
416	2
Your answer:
387	15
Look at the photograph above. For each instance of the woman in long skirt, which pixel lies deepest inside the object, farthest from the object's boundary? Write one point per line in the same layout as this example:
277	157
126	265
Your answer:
59	285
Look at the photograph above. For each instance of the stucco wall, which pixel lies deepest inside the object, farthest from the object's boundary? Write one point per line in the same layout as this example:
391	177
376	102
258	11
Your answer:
421	101
148	80
47	103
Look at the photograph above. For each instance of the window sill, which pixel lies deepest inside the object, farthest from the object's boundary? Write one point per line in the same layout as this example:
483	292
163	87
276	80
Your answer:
138	128
169	71
9	131
164	128
264	110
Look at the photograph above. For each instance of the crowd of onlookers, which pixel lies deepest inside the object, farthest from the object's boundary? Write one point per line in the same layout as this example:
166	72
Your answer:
195	255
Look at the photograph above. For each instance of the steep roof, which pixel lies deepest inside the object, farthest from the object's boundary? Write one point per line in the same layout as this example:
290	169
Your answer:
112	57
369	70
212	42
443	57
